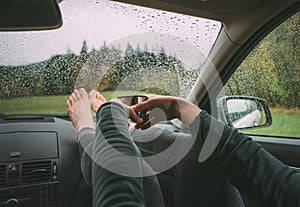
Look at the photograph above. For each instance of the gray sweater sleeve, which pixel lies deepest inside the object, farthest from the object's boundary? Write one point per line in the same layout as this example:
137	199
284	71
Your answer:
106	147
151	186
249	167
86	138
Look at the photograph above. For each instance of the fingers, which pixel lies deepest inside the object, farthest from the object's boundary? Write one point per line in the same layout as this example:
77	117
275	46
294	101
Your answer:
147	122
133	116
148	104
154	101
153	96
152	118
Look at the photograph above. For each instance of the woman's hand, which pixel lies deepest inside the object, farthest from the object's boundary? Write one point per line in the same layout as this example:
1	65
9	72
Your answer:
130	111
97	100
166	108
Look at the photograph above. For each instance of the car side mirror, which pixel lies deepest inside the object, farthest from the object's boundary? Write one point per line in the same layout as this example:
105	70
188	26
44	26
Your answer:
28	15
244	112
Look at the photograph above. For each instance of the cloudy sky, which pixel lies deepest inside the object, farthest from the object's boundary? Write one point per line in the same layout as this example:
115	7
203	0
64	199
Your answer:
99	21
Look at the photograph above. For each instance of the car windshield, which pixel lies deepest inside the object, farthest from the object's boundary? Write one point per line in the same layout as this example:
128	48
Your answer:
115	48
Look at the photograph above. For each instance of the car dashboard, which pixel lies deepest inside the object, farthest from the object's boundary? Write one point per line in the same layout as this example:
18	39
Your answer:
39	162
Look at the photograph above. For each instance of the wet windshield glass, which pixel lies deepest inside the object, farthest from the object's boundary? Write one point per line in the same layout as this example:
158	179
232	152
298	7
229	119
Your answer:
115	48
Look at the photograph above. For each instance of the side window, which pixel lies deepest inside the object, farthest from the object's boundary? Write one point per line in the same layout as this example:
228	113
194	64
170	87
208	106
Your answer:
272	72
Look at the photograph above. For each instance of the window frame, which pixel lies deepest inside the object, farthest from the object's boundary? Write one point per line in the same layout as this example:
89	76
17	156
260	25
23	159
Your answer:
236	60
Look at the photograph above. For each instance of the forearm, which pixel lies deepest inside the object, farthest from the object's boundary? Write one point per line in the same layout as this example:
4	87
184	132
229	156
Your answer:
248	165
112	147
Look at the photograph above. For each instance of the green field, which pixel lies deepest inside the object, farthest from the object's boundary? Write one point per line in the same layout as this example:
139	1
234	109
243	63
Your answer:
284	123
45	104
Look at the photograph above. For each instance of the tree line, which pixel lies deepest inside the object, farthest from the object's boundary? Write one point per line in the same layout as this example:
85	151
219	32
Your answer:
272	70
105	68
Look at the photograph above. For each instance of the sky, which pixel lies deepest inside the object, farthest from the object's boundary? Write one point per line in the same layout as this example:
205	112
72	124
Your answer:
99	21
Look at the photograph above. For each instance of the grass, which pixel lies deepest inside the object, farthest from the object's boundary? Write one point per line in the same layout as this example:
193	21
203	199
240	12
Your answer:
46	104
34	105
285	122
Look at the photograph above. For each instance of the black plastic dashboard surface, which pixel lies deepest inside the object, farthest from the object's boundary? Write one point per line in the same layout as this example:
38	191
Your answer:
42	140
17	146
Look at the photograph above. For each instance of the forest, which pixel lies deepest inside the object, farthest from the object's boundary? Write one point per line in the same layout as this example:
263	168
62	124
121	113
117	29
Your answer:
104	69
272	70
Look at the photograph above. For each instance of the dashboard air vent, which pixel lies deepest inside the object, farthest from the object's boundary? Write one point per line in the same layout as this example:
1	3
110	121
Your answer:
35	172
2	174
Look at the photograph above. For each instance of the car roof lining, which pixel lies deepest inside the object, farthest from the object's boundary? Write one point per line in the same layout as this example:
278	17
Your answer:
213	9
